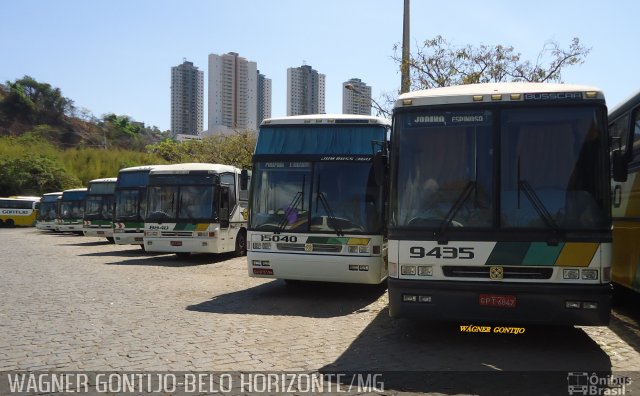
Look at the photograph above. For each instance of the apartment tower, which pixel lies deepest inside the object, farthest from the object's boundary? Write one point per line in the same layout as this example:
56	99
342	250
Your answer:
305	91
187	99
233	93
264	98
356	99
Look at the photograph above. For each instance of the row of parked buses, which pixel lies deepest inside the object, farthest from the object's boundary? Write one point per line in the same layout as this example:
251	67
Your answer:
487	202
181	208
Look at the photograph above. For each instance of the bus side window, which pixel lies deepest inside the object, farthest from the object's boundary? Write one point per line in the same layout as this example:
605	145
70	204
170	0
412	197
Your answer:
230	180
635	129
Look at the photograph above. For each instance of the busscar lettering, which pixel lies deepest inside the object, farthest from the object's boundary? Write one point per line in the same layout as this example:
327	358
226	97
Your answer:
554	96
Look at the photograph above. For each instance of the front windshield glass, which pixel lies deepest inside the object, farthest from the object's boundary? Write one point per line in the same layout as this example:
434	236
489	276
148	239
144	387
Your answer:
346	198
180	203
99	207
281	196
196	202
71	209
47	211
129	205
551	164
444	158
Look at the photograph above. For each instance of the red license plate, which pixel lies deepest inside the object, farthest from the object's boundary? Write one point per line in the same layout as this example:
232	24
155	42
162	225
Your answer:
497	300
263	271
176	243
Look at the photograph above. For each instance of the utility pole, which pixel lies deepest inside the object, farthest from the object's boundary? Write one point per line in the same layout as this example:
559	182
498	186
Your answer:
404	66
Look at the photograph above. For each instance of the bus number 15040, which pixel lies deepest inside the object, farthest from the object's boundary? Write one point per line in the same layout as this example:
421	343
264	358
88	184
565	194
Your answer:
278	238
446	252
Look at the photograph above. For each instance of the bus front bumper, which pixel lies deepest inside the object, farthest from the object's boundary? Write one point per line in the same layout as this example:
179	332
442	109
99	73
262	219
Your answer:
98	232
129	238
184	245
322	268
519	303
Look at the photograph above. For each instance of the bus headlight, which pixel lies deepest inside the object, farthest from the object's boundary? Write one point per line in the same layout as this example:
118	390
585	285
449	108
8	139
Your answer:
425	270
408	270
589	274
570	273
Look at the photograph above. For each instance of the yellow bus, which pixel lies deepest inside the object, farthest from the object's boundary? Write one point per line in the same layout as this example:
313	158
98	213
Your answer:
624	128
18	212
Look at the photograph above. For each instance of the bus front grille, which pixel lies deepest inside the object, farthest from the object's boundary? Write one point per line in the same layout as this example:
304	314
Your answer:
483	272
317	247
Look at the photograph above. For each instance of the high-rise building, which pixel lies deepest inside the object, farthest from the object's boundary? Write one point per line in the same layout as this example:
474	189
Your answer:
305	91
357	99
233	93
264	98
187	99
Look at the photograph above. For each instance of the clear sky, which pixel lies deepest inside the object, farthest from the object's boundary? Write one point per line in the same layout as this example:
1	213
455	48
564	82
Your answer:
115	56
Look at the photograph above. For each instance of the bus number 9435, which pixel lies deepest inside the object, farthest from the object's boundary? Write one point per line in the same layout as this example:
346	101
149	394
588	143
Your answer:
444	252
278	238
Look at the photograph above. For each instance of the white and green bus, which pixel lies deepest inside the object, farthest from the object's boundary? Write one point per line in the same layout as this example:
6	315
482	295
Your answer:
71	210
98	208
196	208
131	199
317	211
500	205
46	219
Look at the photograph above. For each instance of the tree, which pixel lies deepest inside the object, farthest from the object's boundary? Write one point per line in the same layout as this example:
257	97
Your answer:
33	175
30	100
439	63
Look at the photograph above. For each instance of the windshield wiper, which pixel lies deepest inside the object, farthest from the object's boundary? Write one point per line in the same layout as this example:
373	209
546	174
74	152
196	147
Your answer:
293	205
322	198
537	204
462	198
331	218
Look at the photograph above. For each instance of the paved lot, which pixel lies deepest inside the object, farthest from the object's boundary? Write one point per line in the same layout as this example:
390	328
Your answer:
76	303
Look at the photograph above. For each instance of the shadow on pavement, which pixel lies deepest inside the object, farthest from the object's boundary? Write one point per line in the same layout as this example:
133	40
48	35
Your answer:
308	299
170	260
625	318
85	244
436	357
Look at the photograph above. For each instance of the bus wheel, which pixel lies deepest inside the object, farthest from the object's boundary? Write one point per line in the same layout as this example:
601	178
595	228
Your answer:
9	223
143	248
111	240
241	243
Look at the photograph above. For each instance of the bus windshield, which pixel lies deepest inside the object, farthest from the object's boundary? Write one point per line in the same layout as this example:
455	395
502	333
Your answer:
316	197
99	207
71	209
551	164
47	211
130	204
172	202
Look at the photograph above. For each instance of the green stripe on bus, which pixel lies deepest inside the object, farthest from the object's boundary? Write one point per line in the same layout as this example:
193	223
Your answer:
508	253
185	227
540	253
328	240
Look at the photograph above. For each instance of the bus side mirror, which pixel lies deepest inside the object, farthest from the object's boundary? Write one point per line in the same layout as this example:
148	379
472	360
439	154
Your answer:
244	179
379	167
620	166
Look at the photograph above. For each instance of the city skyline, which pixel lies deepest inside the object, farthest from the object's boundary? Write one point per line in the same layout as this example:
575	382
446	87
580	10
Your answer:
113	57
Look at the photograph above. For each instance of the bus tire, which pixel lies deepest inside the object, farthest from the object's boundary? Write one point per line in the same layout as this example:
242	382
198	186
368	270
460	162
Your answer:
111	240
9	223
144	249
241	243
